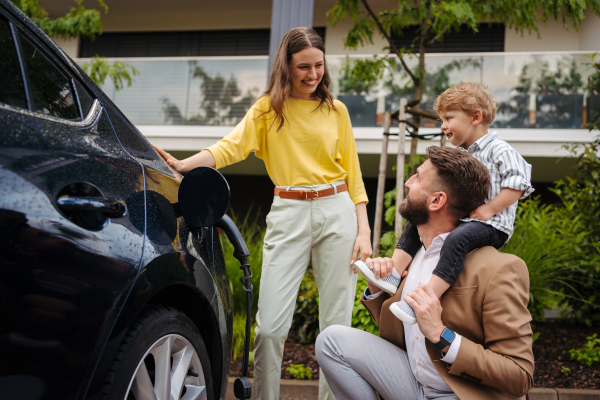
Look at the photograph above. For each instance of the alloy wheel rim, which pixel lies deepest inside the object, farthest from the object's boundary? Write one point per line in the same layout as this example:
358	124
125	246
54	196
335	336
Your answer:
170	370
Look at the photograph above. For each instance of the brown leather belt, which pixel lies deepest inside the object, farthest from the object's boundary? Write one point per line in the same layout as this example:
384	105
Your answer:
309	194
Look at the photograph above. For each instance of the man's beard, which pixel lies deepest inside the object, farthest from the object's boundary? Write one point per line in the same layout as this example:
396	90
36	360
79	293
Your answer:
415	210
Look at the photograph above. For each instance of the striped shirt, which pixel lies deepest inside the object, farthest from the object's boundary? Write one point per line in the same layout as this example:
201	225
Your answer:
507	170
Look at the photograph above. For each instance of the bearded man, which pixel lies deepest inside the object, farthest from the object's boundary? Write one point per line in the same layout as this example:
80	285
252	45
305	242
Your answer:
480	347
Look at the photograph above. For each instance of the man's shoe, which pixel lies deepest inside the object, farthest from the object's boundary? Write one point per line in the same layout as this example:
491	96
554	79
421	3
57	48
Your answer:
389	284
404	312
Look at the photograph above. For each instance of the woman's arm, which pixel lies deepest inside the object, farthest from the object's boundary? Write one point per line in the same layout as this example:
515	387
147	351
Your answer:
362	244
204	158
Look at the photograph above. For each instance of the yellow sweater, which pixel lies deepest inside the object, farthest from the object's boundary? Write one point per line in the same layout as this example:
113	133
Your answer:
312	148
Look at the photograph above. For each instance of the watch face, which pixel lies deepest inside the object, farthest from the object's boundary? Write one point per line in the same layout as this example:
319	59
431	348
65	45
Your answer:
448	335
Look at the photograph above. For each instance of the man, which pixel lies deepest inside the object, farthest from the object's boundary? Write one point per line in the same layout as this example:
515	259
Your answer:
480	347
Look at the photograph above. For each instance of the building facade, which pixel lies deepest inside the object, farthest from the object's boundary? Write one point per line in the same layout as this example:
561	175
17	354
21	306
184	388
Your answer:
202	64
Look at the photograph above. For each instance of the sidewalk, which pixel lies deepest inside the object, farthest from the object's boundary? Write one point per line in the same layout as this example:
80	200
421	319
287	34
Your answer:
308	390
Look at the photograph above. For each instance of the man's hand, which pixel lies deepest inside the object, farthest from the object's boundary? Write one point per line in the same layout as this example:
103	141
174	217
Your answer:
482	213
428	311
382	268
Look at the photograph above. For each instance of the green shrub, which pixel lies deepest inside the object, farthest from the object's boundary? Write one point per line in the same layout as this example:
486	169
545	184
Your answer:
565	371
239	334
299	371
361	318
580	198
305	323
253	233
589	353
547	239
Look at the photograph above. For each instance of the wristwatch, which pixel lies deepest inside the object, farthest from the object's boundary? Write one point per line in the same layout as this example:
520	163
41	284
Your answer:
446	339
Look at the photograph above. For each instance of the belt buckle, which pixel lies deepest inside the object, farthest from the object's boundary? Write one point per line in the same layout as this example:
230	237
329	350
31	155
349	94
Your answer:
311	190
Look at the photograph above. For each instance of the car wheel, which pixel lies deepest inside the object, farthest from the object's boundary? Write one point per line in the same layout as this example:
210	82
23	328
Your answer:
162	357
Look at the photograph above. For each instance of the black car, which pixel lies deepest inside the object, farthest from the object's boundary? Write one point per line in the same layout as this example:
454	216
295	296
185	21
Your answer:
105	291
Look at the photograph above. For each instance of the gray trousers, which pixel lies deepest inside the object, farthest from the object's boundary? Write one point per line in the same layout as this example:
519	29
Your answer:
325	230
358	364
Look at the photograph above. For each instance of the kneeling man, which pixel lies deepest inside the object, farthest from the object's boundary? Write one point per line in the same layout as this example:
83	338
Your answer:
480	347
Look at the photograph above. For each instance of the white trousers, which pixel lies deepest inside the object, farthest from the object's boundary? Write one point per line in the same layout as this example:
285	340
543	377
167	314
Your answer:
324	229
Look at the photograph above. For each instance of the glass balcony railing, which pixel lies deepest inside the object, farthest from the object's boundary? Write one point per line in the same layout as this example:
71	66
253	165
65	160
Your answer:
538	90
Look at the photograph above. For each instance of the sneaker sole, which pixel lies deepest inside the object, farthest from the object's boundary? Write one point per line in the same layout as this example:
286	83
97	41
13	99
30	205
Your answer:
367	273
407	319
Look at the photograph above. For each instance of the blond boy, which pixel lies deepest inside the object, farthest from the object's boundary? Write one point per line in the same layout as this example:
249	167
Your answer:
466	111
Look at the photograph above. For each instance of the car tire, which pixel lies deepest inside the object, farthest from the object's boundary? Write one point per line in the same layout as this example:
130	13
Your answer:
161	342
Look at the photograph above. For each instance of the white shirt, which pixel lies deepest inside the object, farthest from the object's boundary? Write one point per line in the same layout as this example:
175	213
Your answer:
508	170
420	272
421	366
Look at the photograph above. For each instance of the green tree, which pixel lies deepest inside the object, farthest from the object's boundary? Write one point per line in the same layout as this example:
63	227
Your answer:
431	20
80	22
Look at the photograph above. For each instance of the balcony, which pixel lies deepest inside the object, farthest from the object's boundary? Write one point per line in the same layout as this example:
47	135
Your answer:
533	91
187	104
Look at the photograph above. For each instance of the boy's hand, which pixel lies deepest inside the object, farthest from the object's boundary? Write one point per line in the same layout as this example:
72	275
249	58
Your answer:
482	213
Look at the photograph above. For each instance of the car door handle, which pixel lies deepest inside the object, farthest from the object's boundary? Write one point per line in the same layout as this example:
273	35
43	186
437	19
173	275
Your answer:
112	208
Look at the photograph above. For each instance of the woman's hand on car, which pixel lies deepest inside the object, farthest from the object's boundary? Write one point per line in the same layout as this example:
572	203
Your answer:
204	158
169	159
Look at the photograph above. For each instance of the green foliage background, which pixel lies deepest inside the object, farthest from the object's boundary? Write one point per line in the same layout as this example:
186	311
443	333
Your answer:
81	22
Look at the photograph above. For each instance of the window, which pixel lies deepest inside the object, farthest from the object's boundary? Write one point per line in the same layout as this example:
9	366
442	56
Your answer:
12	91
49	88
240	42
490	38
85	99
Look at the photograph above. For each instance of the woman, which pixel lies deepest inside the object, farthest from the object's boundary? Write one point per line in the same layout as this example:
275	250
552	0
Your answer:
305	138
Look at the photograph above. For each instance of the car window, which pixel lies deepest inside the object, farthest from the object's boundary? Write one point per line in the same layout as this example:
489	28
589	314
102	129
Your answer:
11	82
85	99
50	89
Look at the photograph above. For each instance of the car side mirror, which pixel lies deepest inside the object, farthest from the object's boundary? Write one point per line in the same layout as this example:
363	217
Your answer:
203	197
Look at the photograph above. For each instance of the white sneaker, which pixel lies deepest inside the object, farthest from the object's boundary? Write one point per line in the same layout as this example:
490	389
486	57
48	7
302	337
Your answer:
404	312
389	284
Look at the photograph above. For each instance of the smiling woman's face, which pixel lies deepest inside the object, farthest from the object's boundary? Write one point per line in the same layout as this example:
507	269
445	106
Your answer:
308	67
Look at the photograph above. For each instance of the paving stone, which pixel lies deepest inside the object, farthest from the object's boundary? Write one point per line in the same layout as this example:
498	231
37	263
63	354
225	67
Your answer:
289	390
543	394
309	390
578	394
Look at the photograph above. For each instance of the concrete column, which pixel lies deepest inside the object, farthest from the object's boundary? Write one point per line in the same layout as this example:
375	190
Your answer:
288	14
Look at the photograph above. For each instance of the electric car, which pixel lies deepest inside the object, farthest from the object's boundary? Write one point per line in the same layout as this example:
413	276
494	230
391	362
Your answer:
106	292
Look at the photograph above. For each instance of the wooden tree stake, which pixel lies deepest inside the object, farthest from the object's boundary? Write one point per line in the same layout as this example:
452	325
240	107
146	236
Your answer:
387	123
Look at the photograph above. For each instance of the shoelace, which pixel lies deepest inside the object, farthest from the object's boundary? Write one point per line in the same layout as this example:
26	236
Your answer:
392	280
404	307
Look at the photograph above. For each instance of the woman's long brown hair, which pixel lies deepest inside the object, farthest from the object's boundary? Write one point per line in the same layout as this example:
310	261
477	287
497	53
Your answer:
280	85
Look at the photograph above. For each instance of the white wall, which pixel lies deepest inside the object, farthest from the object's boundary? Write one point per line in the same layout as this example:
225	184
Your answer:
69	46
590	33
554	37
334	36
159	15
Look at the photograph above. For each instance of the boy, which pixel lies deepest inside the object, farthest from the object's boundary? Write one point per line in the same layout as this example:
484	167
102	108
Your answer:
466	111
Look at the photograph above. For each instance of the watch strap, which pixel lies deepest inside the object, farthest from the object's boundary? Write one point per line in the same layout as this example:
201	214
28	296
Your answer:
446	339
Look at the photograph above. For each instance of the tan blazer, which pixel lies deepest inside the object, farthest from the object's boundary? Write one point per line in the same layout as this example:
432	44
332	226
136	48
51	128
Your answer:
487	305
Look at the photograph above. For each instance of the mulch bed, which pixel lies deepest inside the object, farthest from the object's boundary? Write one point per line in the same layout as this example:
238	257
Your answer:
551	351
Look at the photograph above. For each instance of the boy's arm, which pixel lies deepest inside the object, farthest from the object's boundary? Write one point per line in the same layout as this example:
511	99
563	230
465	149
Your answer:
505	198
516	183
